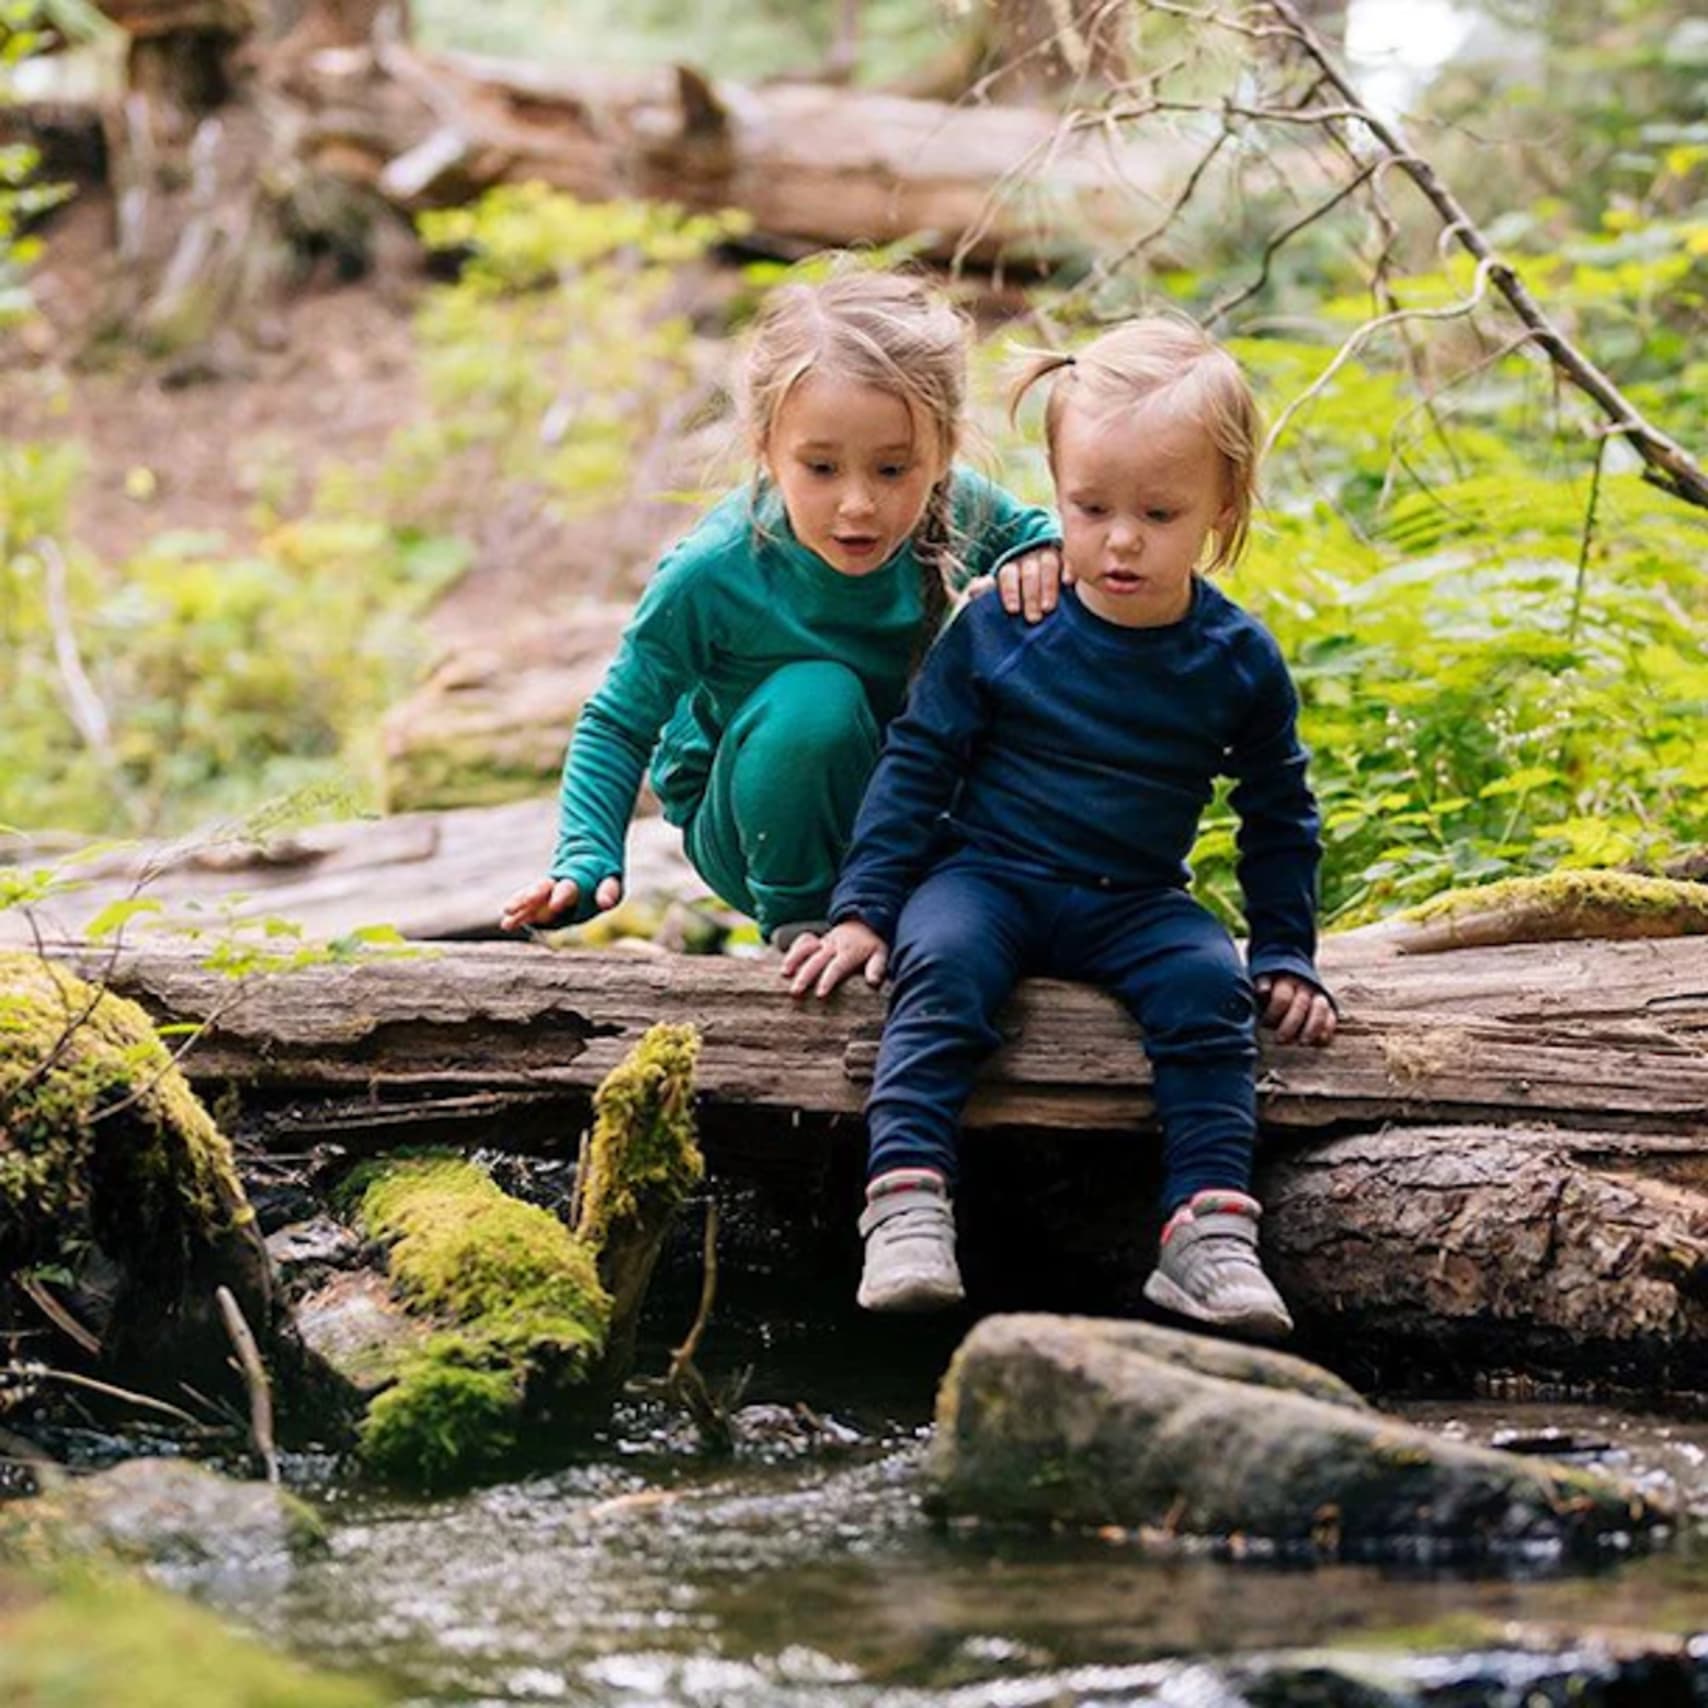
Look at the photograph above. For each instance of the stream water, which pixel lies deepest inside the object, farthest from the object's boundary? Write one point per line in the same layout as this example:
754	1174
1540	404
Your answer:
808	1574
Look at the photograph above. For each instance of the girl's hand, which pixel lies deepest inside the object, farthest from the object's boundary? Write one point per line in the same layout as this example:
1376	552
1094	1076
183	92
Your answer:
542	902
1030	582
1299	1012
820	964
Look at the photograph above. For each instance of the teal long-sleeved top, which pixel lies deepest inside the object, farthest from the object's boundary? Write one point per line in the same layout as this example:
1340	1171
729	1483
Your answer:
728	605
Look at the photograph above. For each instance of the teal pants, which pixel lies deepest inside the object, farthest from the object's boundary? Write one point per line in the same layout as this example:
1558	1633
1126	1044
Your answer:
785	784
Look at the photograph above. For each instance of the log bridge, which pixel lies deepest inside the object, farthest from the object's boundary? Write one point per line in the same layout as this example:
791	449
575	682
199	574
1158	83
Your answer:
1502	1161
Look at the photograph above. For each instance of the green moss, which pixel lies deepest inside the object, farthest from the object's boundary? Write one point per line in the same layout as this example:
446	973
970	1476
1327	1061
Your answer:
521	1306
1564	895
83	1636
643	1148
68	1058
444	1422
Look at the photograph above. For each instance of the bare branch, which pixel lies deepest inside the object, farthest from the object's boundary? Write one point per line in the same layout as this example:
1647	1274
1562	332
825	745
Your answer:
1668	463
1453	311
255	1379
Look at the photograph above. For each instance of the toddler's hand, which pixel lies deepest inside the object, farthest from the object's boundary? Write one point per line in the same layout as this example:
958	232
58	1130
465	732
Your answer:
1299	1012
1030	582
541	902
820	964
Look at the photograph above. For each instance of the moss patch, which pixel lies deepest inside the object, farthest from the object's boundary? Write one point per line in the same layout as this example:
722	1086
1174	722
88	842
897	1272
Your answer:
80	1636
523	1312
72	1164
643	1152
1575	904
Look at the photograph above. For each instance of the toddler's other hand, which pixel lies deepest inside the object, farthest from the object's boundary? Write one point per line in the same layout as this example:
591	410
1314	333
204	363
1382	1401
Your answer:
820	964
1298	1011
541	902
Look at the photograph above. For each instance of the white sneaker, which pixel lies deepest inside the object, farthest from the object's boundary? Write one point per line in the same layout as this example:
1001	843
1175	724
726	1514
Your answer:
1208	1268
909	1227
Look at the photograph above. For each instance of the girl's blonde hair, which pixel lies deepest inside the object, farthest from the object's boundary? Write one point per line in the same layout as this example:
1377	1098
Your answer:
1170	359
884	330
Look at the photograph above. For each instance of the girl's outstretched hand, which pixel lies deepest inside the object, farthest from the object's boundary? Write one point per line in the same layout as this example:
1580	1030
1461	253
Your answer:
1030	583
820	964
542	902
1299	1012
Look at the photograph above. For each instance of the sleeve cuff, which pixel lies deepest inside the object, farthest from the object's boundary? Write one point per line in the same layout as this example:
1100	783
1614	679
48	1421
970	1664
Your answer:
1272	961
876	918
587	876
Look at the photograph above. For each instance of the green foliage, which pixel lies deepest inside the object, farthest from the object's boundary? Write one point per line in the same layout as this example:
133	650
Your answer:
21	199
224	678
560	348
748	40
1492	685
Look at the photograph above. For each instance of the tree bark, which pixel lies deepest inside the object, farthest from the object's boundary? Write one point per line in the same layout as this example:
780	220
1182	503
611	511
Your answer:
1606	1036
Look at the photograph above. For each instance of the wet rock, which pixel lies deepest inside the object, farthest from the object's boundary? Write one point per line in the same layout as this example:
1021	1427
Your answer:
359	1328
306	1253
1079	1421
791	1432
174	1513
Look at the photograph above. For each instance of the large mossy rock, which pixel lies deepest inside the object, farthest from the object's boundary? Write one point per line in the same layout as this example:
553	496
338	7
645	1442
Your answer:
1079	1421
87	1636
500	1334
115	1183
164	1512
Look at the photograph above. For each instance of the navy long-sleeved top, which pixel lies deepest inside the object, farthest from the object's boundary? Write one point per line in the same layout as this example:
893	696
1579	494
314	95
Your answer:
1085	751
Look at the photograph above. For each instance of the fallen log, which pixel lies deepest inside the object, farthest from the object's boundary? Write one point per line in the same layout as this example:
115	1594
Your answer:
1450	1248
491	1020
1536	1198
811	165
428	875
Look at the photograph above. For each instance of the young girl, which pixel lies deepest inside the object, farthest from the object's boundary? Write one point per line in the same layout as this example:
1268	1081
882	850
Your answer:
775	642
1071	763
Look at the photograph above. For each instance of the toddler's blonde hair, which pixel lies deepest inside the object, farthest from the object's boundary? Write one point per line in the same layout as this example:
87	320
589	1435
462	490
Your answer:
885	330
1170	360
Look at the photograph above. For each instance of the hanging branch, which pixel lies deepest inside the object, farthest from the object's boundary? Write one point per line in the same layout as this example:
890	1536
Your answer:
1667	463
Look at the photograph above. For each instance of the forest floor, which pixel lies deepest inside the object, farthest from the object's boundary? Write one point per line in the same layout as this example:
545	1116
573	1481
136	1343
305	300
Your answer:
234	439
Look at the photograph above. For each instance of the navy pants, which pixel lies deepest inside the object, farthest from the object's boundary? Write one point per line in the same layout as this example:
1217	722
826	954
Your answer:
976	926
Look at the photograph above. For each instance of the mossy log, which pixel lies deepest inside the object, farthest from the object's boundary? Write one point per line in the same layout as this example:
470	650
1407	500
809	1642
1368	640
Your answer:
1528	1187
1560	907
526	1327
116	1184
1064	1420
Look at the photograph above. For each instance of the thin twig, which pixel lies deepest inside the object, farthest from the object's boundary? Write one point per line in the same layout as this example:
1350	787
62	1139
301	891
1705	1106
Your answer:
41	1373
255	1379
1453	311
1587	538
36	1292
683	1356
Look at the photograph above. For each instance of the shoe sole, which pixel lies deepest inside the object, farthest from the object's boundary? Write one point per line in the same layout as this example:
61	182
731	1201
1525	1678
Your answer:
1260	1325
912	1295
